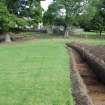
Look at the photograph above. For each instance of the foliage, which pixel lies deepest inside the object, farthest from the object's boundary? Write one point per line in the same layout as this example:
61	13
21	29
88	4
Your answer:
94	19
98	22
50	15
21	22
19	13
72	8
32	10
10	4
6	19
60	21
9	21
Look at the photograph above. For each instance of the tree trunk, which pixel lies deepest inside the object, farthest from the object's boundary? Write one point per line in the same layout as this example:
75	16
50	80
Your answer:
66	33
100	33
49	30
7	38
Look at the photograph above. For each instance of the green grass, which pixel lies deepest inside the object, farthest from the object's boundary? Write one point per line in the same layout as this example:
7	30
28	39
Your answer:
91	41
38	35
35	73
91	33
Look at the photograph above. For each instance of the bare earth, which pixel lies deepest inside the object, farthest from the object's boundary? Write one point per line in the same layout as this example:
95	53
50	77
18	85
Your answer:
95	90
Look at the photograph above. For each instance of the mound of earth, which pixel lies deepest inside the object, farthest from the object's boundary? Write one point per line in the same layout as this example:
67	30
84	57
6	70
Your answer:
94	56
88	74
96	50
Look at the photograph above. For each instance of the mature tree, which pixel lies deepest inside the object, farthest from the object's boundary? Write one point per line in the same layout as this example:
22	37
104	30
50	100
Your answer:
50	15
94	17
18	14
72	9
8	21
98	22
30	9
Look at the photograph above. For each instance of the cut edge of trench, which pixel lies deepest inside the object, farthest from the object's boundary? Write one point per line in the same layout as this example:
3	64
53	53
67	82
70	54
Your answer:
79	89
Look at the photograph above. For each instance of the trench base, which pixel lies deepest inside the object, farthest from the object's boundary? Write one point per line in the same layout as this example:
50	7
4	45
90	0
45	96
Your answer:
93	89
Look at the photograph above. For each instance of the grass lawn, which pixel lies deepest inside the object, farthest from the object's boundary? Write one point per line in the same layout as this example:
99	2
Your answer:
35	73
91	41
91	33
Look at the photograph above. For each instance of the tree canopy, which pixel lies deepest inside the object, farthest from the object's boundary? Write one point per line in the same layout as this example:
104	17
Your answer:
7	20
88	14
19	13
94	19
75	13
71	10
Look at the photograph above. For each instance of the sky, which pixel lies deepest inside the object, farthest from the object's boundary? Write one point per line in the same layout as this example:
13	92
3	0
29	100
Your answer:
45	4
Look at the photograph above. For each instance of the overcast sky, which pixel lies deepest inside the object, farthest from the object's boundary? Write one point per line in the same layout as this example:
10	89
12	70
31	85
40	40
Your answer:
45	4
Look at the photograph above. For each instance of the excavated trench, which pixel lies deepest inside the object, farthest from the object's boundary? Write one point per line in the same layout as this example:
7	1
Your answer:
87	89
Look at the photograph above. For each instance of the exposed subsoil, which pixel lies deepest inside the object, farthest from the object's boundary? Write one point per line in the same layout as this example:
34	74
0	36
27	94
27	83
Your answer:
87	89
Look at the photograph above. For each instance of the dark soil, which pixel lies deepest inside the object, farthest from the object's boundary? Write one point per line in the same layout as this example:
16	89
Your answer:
96	50
94	56
94	93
